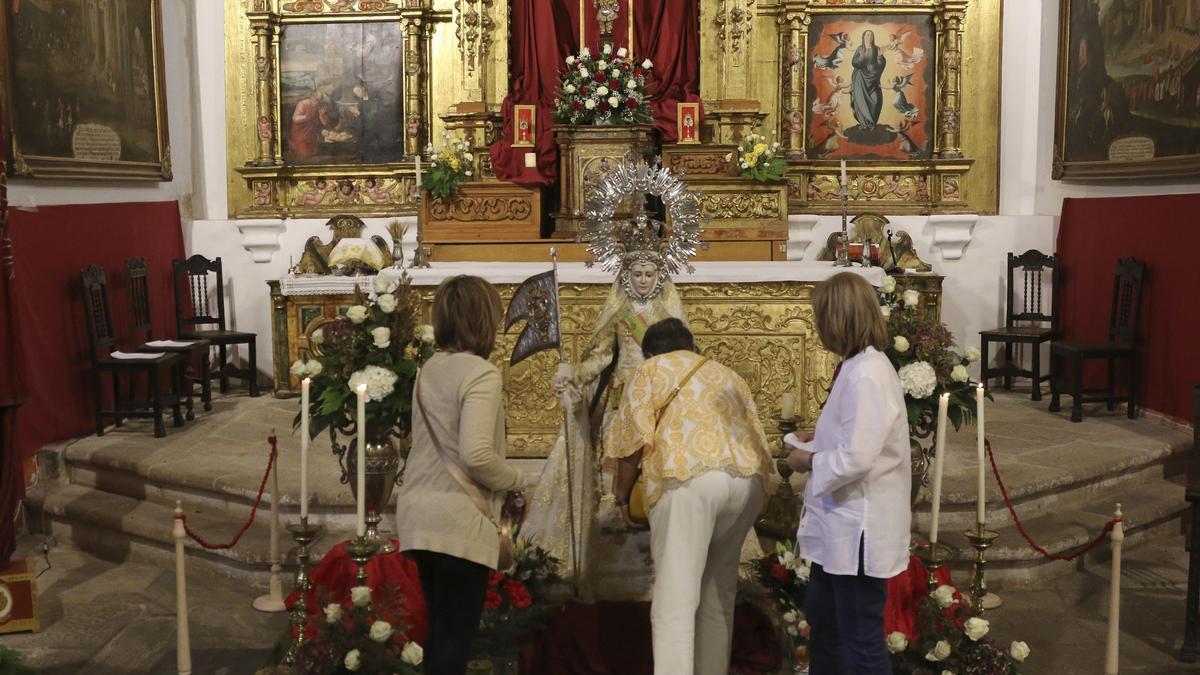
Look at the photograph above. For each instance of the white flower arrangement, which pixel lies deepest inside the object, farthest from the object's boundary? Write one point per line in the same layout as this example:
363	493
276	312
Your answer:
896	642
380	383
959	373
360	596
972	354
353	660
357	314
381	631
413	654
609	90
386	302
918	379
940	652
976	628
1019	651
911	298
943	596
450	166
900	343
758	159
382	337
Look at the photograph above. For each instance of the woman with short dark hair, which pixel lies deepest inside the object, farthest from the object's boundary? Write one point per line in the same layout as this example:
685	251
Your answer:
458	420
855	524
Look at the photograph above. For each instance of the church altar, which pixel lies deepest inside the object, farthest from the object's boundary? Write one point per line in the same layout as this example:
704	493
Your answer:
757	317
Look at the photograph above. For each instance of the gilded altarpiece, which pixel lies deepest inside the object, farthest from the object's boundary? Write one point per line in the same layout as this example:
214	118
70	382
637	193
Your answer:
765	330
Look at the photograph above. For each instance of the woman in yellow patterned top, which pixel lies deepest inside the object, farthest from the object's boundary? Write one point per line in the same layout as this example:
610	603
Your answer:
692	426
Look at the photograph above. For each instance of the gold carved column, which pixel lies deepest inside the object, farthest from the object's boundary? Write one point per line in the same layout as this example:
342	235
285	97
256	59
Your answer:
266	44
949	20
732	108
793	21
416	65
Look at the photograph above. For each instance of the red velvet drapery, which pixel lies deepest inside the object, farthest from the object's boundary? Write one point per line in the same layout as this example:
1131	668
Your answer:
51	245
12	475
545	32
1160	231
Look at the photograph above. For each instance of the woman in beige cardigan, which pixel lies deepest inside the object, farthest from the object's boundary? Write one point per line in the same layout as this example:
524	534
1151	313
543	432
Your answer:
438	524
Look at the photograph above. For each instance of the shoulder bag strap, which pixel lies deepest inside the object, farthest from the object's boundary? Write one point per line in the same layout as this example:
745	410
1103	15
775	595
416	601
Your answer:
675	392
452	467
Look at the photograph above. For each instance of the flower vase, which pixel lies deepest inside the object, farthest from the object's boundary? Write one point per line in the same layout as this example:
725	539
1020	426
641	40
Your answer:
385	460
602	121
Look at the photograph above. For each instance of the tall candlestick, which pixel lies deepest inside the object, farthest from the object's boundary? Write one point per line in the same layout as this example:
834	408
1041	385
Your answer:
939	451
304	385
787	406
418	175
980	515
843	173
361	513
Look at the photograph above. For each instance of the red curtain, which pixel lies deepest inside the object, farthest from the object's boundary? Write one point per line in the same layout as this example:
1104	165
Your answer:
545	32
51	244
1160	231
12	474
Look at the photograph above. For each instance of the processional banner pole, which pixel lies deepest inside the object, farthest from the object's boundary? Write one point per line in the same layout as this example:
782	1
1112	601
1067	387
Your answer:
565	401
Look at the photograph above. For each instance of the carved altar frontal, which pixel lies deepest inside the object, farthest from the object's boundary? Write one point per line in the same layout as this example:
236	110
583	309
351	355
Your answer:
761	326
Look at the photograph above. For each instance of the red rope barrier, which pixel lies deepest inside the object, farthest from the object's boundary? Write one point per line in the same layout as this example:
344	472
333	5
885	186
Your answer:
253	509
1021	528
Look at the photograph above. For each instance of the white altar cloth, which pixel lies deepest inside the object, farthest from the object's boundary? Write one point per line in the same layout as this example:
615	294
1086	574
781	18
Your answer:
578	273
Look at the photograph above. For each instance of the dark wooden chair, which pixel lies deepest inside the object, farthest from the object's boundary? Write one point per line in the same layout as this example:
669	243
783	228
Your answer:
1191	627
1121	345
102	346
1031	325
196	311
194	351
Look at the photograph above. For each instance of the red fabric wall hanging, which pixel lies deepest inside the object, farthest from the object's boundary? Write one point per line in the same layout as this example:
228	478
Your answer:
1160	231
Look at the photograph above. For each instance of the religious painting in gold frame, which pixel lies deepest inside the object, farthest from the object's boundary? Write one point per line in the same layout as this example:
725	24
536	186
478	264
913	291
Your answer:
327	106
687	120
84	95
524	126
1128	92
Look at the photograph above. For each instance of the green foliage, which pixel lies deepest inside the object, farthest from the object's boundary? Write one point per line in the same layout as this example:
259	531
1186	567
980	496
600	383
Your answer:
451	166
758	159
605	89
516	605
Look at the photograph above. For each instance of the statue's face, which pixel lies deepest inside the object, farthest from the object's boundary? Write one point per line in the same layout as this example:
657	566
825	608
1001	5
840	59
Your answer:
642	278
868	39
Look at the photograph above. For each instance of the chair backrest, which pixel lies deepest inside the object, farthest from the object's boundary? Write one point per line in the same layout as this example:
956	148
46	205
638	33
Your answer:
1126	309
1038	302
193	276
96	311
139	296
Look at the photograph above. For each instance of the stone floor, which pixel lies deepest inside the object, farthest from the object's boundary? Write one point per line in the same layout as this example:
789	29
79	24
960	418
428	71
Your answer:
102	617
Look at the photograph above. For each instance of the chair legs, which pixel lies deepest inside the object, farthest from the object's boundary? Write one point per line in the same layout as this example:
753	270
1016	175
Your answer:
1133	386
1077	390
1037	372
222	365
116	381
1111	390
100	401
984	363
156	402
205	380
183	388
1008	359
252	369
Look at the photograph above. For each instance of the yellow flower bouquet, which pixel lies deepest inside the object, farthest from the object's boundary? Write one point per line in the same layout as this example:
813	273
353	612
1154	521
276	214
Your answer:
757	159
450	166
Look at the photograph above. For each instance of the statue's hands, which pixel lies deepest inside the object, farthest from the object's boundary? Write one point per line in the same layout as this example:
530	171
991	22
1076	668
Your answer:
564	384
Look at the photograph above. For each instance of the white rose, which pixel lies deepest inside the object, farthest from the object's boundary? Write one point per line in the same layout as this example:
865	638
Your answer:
886	311
959	374
318	336
590	103
313	368
583	71
412	654
939	652
614	101
602	91
601	64
360	596
382	336
607	48
972	354
790	617
976	628
647	64
793	631
631	85
570	60
333	613
570	89
387	303
896	642
616	72
622	52
353	660
469	157
298	368
467	173
911	298
381	631
357	314
381	284
918	379
424	333
943	596
803	572
888	285
1019	651
900	343
585	53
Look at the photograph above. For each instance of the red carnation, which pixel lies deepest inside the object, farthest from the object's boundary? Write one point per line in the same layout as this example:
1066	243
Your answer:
779	572
603	105
494	578
600	77
518	594
625	66
631	102
493	599
577	105
583	90
639	72
613	84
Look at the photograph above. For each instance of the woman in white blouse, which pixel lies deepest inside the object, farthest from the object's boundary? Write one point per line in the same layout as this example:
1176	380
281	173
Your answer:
855	524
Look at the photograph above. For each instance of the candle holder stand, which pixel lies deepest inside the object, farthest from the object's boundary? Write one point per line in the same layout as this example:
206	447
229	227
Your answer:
981	540
420	259
361	549
781	516
933	557
842	255
303	534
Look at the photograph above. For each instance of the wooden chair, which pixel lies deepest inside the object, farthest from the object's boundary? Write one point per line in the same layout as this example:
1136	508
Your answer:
102	345
143	329
196	311
1123	320
1033	264
1191	628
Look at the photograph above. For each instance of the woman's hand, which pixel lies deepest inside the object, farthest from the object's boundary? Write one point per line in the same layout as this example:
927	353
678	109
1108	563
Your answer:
800	461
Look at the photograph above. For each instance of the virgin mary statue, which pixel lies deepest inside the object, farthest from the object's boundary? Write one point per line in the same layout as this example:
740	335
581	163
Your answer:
571	510
866	95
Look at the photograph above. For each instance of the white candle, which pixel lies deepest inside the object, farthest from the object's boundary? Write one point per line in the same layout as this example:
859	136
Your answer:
418	175
304	384
980	514
939	451
787	406
362	461
843	173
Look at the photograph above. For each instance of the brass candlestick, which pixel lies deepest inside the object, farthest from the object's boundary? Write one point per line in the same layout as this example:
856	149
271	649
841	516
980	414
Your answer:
361	549
781	516
303	534
842	256
981	540
933	557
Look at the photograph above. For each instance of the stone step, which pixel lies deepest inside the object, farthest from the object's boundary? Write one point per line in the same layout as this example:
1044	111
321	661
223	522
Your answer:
116	526
1148	511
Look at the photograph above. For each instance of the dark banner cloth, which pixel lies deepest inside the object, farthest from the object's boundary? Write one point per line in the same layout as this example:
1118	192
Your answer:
1160	231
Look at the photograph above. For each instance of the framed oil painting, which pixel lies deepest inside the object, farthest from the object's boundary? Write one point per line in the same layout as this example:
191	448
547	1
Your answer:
871	86
341	93
1128	90
83	89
